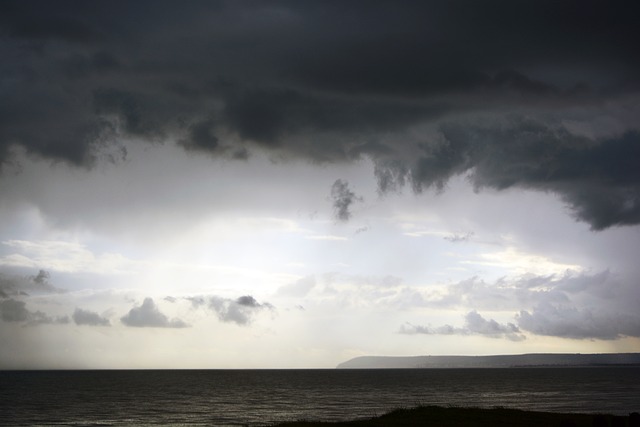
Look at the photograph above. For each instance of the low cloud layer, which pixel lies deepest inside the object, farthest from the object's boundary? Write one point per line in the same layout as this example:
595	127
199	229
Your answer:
12	310
578	323
573	305
148	315
558	113
475	324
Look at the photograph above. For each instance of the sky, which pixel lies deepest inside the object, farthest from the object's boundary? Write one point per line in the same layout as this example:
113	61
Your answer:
285	184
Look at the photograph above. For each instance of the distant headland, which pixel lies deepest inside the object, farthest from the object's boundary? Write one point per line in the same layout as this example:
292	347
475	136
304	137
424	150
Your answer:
497	361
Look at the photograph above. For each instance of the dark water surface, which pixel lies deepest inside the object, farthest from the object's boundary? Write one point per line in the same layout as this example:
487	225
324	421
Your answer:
259	397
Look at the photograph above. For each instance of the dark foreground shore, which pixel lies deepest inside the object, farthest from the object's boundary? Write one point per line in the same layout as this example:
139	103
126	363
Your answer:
437	416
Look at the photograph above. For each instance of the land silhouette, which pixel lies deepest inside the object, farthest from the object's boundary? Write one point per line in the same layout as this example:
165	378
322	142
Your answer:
438	416
495	361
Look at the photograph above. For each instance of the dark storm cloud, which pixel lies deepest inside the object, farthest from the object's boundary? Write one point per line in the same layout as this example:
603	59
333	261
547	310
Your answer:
148	315
239	311
334	81
475	324
201	136
343	198
86	317
599	179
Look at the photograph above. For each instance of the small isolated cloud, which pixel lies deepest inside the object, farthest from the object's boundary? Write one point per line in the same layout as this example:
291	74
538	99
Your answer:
149	316
86	317
362	229
343	198
12	310
475	324
239	311
457	238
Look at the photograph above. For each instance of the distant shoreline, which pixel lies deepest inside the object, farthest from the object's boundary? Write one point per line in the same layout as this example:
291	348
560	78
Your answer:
531	360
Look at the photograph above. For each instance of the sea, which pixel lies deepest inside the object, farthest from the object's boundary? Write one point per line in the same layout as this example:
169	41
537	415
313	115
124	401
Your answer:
265	397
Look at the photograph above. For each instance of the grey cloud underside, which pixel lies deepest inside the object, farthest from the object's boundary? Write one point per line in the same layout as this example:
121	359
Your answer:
575	323
334	81
600	180
148	315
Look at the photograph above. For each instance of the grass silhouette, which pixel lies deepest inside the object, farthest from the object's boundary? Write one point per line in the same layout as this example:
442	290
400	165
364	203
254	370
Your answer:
437	416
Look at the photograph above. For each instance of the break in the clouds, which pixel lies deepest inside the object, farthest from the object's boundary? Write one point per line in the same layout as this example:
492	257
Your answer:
333	82
148	315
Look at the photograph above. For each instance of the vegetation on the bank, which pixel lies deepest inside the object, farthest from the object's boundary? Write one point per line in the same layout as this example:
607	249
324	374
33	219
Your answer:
437	416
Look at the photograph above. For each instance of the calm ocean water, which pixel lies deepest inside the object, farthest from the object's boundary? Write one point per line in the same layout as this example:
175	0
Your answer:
259	397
